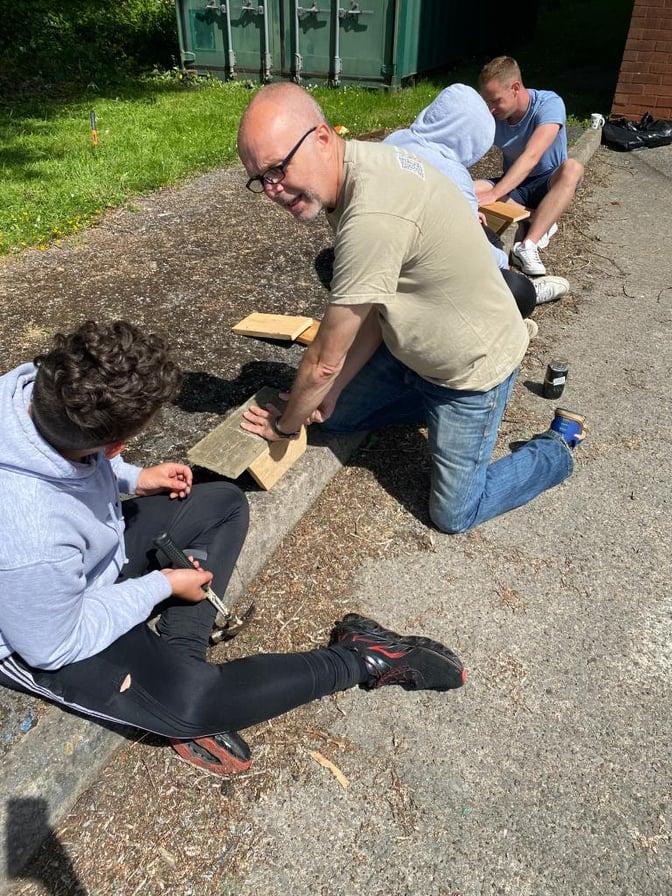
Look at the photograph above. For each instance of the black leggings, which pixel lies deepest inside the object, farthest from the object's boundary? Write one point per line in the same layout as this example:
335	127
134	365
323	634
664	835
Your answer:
522	289
173	690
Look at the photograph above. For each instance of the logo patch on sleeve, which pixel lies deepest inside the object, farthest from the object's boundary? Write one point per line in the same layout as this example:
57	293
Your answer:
412	165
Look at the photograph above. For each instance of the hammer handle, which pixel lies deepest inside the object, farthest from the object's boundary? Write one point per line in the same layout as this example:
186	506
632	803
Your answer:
179	559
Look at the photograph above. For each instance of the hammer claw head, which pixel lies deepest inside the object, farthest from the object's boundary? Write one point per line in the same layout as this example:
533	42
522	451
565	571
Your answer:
228	627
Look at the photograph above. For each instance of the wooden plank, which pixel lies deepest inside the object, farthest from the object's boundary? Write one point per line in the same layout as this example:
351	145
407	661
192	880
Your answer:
277	459
500	215
309	335
272	326
510	211
228	449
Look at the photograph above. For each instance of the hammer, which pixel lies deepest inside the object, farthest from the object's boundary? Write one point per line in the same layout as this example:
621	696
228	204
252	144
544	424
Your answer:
228	622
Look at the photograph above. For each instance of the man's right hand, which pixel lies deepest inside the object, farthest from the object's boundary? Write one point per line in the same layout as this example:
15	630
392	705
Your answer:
321	413
187	584
487	197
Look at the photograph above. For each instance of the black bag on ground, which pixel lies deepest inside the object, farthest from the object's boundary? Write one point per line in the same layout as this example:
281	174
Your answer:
622	134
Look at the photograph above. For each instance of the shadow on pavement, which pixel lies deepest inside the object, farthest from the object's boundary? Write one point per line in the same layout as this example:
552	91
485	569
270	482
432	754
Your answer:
324	266
27	826
534	387
207	393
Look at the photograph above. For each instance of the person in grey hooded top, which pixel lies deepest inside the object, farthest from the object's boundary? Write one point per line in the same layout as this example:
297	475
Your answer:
79	575
453	133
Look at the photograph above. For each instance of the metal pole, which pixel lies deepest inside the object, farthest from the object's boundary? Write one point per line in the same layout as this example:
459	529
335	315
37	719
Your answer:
338	62
395	43
298	61
230	55
181	34
263	10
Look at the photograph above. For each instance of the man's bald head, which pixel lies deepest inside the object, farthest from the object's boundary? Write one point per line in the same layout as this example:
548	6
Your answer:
281	119
280	107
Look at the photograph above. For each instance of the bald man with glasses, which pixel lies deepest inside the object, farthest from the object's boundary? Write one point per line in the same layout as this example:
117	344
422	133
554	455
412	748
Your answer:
420	327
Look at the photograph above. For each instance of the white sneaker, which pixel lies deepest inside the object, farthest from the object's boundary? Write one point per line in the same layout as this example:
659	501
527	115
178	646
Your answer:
526	255
545	238
532	328
548	289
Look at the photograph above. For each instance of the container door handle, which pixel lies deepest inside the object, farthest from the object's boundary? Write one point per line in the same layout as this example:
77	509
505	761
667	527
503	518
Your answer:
250	6
355	10
304	11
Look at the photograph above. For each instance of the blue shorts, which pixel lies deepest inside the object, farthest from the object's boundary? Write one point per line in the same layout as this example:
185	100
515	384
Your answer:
531	191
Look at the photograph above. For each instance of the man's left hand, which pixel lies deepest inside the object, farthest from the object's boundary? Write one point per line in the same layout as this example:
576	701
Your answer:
258	421
176	479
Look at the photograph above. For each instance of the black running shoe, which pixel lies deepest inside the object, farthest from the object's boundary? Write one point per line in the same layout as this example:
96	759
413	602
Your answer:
220	754
230	748
414	663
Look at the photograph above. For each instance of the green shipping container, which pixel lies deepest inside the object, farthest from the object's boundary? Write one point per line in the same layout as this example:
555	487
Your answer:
375	42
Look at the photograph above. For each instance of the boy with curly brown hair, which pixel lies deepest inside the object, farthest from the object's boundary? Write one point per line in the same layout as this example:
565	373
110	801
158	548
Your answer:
79	575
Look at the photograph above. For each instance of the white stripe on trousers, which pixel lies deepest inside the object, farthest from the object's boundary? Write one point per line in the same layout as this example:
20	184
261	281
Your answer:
24	678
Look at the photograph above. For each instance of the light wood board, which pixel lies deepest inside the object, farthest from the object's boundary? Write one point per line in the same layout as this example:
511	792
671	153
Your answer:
309	335
500	214
510	210
277	459
272	326
228	449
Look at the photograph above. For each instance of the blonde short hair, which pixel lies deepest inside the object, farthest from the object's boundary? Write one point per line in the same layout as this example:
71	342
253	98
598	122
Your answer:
503	69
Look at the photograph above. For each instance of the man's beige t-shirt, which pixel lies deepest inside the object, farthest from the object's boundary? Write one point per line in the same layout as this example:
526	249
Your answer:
407	241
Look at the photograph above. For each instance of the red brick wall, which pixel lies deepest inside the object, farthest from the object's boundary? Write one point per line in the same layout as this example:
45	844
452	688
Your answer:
645	79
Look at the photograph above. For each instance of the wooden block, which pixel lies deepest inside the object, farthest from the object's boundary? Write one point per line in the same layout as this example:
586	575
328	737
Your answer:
510	211
228	449
500	215
272	326
309	335
277	459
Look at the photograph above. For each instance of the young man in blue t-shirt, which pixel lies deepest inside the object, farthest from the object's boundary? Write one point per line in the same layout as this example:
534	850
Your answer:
530	131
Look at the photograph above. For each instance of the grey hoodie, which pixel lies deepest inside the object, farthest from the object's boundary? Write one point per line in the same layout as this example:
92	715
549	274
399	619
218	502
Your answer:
453	133
61	544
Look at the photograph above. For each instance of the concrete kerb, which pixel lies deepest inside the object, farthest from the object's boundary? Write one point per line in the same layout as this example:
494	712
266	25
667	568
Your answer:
58	759
585	147
62	755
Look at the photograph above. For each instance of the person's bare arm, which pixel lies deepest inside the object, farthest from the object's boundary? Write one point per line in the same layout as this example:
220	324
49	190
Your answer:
537	145
326	365
367	341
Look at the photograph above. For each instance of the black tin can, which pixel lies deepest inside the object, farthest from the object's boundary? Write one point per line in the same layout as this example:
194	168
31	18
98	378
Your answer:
556	377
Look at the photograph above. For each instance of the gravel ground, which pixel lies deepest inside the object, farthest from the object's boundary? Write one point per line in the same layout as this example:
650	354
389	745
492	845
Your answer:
192	262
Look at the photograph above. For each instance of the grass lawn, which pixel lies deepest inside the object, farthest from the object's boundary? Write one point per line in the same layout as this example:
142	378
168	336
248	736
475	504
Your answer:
54	182
154	132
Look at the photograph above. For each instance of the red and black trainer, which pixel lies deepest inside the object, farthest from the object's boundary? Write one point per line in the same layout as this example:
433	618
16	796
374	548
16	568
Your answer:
412	662
219	754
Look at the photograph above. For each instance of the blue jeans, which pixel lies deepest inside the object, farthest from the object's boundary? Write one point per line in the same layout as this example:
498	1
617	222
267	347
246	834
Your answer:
466	489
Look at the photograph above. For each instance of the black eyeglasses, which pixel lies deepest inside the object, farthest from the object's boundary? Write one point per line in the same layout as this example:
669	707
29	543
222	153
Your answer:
277	173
